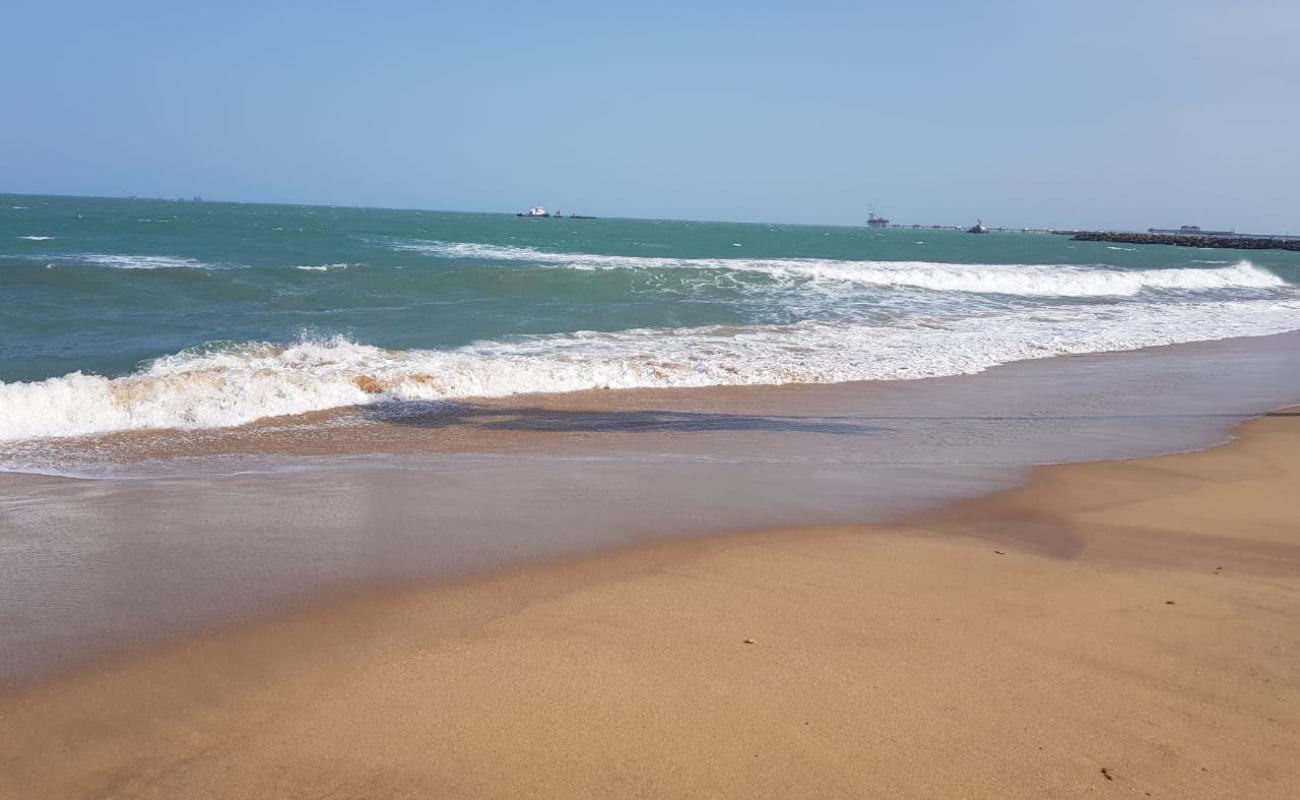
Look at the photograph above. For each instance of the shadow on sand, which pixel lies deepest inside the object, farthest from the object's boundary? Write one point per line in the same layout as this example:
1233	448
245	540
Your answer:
604	421
537	419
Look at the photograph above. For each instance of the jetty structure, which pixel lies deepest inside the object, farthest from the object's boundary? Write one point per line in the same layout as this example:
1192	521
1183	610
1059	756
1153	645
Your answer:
1183	236
1190	236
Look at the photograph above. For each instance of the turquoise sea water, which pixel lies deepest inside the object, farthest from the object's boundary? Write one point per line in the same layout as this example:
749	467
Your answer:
122	314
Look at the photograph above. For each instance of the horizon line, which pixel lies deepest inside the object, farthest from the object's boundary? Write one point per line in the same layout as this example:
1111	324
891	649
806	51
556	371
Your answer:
863	224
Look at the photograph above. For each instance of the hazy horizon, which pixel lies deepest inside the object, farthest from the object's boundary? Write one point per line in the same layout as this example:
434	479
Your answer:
1022	114
950	224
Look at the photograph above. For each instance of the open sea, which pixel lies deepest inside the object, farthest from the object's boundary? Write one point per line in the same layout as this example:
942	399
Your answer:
211	411
147	314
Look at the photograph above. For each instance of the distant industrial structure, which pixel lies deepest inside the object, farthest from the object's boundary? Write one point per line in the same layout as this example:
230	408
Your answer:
874	221
1191	230
1186	235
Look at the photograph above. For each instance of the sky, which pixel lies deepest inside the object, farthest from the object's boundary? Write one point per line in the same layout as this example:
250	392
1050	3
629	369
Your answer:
1020	112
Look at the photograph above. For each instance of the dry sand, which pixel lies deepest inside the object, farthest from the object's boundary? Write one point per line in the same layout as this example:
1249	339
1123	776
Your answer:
1122	629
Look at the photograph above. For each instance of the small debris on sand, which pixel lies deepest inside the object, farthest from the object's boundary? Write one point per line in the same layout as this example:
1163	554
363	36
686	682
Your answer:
999	552
750	641
1106	774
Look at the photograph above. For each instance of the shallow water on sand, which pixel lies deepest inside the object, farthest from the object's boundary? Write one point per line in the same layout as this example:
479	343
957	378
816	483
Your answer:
182	532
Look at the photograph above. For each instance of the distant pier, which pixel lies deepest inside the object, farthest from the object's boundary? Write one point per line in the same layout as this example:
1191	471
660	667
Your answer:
1186	237
1232	241
962	228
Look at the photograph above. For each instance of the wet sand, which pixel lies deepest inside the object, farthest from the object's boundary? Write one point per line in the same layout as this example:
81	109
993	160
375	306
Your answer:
1120	628
256	522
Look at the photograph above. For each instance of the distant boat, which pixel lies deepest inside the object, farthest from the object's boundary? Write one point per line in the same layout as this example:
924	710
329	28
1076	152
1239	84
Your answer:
978	227
540	213
874	220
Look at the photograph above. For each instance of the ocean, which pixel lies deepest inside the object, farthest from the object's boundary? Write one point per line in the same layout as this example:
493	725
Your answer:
211	411
126	314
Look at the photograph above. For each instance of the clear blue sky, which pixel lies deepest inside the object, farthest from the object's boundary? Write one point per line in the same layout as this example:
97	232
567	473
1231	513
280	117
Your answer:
1120	114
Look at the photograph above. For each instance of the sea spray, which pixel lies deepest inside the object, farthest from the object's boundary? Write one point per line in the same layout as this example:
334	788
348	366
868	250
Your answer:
220	386
1030	280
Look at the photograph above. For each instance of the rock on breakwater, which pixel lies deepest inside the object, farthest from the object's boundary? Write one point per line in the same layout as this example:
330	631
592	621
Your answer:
1192	240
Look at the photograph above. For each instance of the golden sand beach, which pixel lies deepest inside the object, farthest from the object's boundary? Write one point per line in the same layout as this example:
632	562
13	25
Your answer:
1117	628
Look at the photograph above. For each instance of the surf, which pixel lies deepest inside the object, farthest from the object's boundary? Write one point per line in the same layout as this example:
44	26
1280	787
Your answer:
226	385
1026	280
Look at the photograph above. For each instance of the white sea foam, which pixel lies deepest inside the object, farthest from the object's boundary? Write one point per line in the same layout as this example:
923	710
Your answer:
36	238
218	387
1030	280
321	267
117	261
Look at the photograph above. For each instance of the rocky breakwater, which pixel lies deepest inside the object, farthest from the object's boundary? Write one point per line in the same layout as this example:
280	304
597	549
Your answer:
1192	240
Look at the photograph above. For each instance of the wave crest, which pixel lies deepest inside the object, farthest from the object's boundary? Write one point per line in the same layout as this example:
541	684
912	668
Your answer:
120	261
1029	280
227	385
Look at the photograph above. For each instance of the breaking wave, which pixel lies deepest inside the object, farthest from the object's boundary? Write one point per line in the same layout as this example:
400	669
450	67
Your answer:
1028	280
227	385
115	261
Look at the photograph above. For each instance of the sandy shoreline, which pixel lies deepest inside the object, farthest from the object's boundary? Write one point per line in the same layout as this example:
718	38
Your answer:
1136	616
94	569
582	421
